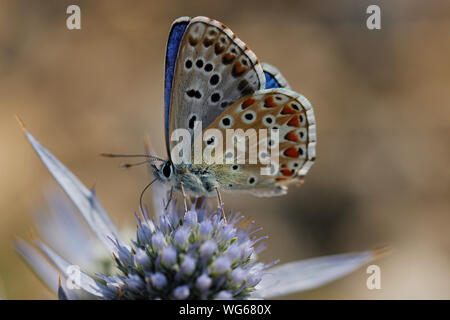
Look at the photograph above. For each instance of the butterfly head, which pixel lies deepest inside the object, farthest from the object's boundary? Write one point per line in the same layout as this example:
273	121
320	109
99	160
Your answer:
164	172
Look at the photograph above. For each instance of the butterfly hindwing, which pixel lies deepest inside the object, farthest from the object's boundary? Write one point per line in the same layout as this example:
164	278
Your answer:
213	69
281	109
274	78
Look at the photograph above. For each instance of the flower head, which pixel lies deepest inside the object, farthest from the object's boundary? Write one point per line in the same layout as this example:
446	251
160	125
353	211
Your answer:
192	256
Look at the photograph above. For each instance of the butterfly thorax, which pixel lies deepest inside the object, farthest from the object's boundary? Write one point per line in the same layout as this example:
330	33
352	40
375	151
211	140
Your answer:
196	180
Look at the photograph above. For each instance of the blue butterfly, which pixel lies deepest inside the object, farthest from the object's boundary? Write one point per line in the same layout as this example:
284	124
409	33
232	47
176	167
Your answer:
213	77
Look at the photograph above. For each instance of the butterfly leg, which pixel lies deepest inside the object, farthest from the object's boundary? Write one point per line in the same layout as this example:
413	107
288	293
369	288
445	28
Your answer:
220	204
169	198
184	198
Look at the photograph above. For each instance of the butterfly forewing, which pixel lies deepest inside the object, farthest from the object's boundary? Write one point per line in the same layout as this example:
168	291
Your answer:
213	69
173	44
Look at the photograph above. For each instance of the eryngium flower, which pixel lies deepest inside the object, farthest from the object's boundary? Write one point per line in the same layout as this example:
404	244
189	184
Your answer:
198	256
182	256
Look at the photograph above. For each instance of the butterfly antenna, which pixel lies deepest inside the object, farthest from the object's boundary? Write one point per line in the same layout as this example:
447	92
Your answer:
129	165
114	155
142	194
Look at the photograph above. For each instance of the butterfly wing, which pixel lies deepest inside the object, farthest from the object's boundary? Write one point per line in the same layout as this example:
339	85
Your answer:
274	78
173	44
282	109
213	69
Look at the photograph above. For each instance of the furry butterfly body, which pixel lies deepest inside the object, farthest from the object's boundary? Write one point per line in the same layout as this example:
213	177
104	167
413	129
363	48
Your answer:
213	77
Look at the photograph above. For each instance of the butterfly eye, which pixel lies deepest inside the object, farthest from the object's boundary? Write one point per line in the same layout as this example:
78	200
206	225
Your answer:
167	170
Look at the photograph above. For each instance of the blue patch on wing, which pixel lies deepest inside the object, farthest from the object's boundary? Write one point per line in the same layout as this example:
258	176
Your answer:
271	82
173	44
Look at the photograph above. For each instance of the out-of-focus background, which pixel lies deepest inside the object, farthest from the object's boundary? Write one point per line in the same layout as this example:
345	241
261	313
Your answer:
381	98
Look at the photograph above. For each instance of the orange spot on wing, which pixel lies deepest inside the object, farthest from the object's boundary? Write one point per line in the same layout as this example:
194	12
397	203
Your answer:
291	152
287	172
288	110
291	136
218	49
294	122
280	179
238	68
247	103
227	58
269	103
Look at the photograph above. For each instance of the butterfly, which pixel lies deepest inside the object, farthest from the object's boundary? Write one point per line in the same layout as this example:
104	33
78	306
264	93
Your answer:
212	77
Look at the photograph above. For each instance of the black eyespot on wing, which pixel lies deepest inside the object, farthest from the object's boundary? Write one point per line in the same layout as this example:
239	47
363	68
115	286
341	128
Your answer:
215	97
300	150
208	67
199	63
214	79
249	116
188	64
194	94
269	120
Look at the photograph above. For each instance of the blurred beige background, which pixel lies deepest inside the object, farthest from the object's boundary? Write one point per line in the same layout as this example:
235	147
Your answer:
381	99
